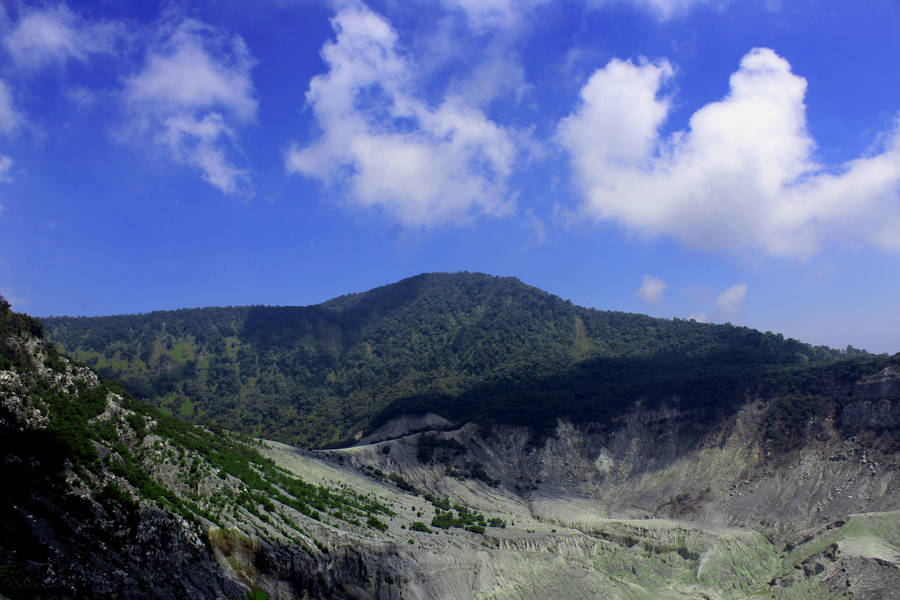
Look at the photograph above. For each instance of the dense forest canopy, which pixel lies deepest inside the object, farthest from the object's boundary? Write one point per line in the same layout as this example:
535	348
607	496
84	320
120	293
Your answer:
471	345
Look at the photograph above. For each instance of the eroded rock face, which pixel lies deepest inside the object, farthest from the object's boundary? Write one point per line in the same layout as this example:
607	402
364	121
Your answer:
360	571
71	548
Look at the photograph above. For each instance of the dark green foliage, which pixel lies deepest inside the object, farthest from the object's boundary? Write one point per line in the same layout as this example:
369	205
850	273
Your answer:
453	342
138	424
475	471
232	455
441	503
402	484
257	594
419	526
15	583
114	495
465	518
14	325
70	415
443	521
787	420
72	433
427	444
375	523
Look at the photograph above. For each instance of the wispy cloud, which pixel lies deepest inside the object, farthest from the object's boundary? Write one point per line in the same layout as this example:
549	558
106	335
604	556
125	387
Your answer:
6	164
538	226
423	165
663	9
731	300
192	93
742	176
651	290
55	35
10	118
482	14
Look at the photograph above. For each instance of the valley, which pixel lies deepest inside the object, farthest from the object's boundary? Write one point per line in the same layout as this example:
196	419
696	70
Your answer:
685	461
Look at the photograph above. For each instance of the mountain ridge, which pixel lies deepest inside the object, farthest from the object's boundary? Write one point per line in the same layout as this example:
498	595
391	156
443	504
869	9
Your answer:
319	374
791	494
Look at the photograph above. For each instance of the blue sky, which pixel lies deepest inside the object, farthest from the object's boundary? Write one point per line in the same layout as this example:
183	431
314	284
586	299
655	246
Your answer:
723	160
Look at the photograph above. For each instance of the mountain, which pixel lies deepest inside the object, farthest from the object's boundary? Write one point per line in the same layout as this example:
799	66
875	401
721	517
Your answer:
470	346
791	493
105	497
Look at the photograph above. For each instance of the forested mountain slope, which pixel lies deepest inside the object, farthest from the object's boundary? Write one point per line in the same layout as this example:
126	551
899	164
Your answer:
320	374
727	475
105	497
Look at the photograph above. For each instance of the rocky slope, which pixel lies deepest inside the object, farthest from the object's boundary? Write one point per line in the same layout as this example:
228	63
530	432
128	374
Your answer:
787	496
103	497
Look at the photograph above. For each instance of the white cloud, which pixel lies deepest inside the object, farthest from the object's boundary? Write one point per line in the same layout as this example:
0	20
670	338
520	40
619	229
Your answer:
202	142
620	103
423	165
730	300
193	91
663	9
699	317
741	177
537	224
495	76
54	35
482	14
10	118
651	290
196	67
6	164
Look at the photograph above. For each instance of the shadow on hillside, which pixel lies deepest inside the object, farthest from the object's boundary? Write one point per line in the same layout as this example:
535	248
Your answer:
707	390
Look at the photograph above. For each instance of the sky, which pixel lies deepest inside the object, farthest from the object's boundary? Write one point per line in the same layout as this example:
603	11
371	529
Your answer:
722	160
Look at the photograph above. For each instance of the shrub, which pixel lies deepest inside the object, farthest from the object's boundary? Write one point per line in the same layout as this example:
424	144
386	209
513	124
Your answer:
419	526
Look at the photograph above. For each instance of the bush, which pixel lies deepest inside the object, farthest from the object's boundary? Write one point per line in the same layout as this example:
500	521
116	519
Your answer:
375	523
419	526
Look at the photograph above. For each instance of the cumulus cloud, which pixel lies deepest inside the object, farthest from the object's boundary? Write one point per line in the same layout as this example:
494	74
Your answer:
10	118
651	290
699	317
730	300
424	165
193	91
741	177
55	35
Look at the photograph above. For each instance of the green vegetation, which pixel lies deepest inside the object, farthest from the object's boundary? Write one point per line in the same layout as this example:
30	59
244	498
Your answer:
374	523
468	346
419	526
787	418
428	444
472	470
15	582
12	326
465	518
114	495
76	425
